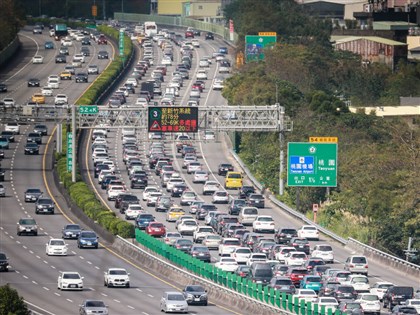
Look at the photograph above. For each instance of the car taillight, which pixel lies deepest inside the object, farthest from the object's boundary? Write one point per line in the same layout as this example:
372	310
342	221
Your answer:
351	265
294	244
366	266
166	239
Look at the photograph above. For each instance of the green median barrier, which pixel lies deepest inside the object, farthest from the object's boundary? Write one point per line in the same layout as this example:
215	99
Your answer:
316	309
302	306
329	311
278	299
256	291
272	295
250	288
290	303
284	299
238	284
323	310
234	281
266	293
308	309
260	292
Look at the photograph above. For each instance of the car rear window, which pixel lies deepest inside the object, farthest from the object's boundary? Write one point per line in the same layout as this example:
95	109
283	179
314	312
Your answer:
250	211
359	260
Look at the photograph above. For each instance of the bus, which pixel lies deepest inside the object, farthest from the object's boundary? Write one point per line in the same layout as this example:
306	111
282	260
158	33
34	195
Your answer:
60	31
150	29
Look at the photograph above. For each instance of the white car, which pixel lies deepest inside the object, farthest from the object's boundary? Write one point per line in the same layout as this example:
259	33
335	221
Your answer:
379	288
37	59
307	295
70	280
195	43
220	196
281	255
296	258
187	226
329	303
133	211
67	42
116	277
212	241
263	223
200	176
167	61
132	81
228	245
309	232
8	102
210	187
187	197
141	101
323	251
79	58
193	167
61	99
152	198
369	303
114	191
227	264
201	75
148	190
47	91
110	164
241	254
414	303
256	257
172	182
56	246
13	127
218	84
359	282
204	63
201	232
188	159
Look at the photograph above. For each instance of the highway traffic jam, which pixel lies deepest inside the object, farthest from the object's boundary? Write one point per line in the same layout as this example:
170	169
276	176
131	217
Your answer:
166	185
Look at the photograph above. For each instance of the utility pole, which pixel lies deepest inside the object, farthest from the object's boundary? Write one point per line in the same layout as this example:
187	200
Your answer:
281	144
73	131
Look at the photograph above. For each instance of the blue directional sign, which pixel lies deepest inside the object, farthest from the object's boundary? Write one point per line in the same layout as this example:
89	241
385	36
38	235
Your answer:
301	165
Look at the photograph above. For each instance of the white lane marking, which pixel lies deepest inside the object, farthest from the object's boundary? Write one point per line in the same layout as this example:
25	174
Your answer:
58	294
34	282
71	301
45	288
26	277
149	295
139	290
129	306
117	301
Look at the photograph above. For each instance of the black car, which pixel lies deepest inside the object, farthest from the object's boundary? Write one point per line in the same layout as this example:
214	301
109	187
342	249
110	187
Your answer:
81	77
118	199
85	51
99	167
60	59
200	252
224	168
163	203
32	194
178	189
246	191
10	135
34	137
32	148
195	294
33	82
183	244
64	50
209	35
139	181
350	308
256	200
107	179
235	205
403	309
396	295
85	41
282	284
128	200
344	292
1	154
44	205
41	129
4	263
284	235
103	54
301	244
3	88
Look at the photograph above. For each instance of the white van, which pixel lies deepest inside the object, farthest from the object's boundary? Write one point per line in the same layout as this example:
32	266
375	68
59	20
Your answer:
53	83
247	215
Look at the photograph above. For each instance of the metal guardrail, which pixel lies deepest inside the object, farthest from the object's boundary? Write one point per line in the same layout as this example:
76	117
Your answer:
208	283
392	260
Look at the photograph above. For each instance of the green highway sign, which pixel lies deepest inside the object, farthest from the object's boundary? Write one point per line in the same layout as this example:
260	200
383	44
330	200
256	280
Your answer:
88	109
312	164
69	152
121	43
255	45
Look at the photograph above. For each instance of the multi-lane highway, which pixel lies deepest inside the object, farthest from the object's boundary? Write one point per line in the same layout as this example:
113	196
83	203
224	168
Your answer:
33	273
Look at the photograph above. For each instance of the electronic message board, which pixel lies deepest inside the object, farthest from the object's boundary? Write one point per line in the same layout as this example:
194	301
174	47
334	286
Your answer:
173	119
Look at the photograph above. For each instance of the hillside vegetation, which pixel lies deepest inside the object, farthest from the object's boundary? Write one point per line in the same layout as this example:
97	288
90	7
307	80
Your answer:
378	196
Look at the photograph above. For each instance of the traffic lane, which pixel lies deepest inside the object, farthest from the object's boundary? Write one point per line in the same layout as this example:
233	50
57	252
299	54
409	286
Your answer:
85	262
377	271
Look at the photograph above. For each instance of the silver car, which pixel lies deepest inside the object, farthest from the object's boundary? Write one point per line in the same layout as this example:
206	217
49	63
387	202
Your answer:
2	191
89	307
173	302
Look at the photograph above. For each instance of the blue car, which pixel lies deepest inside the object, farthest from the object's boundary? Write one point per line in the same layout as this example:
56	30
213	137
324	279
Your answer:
49	45
311	282
87	239
143	220
223	50
4	143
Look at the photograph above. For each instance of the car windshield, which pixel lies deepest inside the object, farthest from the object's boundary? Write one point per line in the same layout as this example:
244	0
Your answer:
71	276
72	227
350	306
57	242
175	297
370	297
235	176
44	201
33	191
2	256
88	235
283	282
313	279
184	242
190	223
95	304
117	272
28	221
325	248
202	249
194	288
243	251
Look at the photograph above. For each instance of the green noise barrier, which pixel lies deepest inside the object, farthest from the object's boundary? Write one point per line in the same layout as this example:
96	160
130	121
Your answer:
231	281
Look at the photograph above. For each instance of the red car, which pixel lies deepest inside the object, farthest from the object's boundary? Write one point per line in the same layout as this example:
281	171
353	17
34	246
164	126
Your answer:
189	34
296	274
156	229
102	40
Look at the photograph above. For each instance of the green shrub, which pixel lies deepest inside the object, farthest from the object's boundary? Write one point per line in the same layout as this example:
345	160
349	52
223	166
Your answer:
126	229
113	225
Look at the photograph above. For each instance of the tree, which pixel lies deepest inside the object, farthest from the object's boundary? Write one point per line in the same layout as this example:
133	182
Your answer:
11	303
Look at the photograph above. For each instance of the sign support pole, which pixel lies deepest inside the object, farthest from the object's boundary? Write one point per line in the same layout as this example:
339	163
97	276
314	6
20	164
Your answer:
59	138
281	140
73	131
